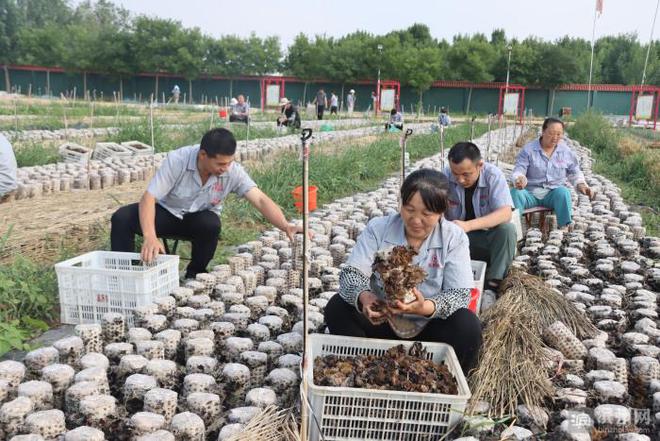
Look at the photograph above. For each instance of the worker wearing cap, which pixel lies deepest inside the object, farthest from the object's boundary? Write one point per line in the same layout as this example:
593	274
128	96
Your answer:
289	116
480	203
8	168
350	101
185	199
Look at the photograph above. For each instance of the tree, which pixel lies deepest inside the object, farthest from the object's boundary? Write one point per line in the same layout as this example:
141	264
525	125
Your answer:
471	59
10	23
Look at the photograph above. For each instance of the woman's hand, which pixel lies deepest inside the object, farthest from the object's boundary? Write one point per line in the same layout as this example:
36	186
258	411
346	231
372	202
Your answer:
368	300
521	182
586	190
420	306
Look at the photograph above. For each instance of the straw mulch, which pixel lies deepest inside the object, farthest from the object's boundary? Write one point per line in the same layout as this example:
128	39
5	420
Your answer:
271	424
513	365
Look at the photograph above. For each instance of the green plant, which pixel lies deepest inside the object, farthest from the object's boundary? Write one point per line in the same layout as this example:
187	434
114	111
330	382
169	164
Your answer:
14	334
633	170
33	153
27	289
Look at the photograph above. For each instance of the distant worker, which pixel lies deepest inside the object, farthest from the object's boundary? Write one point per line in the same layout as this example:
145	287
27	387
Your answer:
480	203
176	92
443	118
542	168
334	103
185	199
289	115
374	102
395	121
350	102
8	168
240	112
321	102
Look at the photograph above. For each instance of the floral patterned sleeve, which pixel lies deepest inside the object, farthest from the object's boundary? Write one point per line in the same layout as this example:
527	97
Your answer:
351	283
449	301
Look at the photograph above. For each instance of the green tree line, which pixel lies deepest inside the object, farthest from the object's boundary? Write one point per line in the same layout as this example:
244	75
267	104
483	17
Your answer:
102	37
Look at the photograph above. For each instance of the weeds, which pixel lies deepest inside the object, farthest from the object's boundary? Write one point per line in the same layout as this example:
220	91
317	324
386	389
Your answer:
32	154
626	162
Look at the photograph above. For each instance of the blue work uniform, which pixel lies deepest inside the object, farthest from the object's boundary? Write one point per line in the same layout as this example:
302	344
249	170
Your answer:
546	179
497	245
444	256
178	187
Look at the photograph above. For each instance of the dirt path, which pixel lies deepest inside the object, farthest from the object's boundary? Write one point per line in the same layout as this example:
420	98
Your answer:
39	228
78	221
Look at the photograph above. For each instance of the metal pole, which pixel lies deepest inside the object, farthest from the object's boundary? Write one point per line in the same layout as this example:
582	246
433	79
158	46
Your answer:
151	118
247	132
648	49
305	138
488	141
472	128
591	63
377	108
403	141
442	146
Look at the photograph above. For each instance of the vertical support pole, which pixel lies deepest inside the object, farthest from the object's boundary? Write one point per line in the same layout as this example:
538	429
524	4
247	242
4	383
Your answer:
403	143
306	139
151	119
442	147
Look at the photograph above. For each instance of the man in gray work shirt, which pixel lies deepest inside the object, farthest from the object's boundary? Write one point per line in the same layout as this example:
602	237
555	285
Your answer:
8	181
480	203
185	198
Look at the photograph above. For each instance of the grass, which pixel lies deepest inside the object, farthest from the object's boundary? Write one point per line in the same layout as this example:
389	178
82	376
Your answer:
626	161
32	153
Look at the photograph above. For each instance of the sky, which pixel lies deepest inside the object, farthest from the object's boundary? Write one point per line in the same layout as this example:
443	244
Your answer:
548	19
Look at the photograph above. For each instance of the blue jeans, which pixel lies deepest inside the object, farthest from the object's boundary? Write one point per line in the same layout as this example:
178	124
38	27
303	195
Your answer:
559	200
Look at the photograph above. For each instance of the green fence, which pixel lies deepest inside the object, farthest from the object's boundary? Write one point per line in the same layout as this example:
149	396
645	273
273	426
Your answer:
541	102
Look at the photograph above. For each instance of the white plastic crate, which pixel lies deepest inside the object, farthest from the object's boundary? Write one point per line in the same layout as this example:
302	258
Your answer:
138	148
99	282
71	152
479	276
105	150
515	220
345	413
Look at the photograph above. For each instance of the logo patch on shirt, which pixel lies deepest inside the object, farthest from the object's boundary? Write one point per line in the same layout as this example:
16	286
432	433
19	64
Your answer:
217	187
453	203
435	262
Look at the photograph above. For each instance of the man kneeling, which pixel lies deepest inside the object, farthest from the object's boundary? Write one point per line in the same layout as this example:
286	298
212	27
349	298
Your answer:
185	199
480	203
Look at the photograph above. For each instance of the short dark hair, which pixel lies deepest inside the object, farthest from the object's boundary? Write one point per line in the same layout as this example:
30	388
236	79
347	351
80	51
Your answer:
218	142
393	112
432	186
464	150
552	120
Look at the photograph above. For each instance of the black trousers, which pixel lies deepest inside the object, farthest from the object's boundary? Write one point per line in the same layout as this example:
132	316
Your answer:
238	118
202	228
319	111
461	330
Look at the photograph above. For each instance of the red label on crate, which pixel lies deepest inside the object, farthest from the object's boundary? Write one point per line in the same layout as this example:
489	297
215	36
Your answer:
101	298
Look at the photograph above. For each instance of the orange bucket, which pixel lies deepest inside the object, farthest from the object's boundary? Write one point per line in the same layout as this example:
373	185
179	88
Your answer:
222	113
298	197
